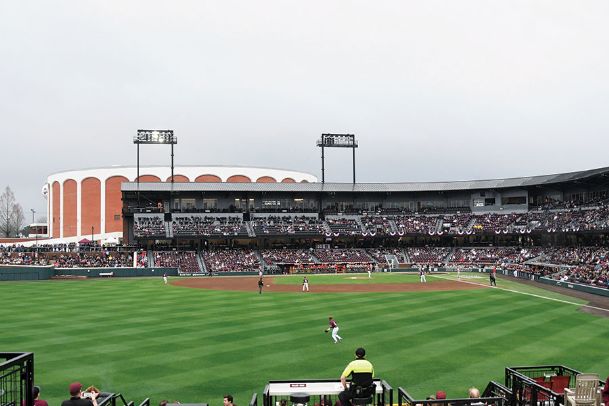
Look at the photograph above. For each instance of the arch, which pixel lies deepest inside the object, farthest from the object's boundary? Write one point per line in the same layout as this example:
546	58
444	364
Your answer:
90	206
113	203
56	212
238	179
208	179
178	179
148	178
266	179
69	208
288	180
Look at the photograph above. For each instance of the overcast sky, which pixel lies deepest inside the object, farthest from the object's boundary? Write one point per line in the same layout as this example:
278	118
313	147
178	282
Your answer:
433	90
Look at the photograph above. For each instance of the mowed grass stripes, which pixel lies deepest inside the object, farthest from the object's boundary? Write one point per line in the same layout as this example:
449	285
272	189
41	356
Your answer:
144	339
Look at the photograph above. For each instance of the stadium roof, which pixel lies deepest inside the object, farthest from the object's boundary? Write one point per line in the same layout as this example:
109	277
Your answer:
371	187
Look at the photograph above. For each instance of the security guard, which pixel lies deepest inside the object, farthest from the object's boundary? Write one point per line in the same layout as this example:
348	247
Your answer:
361	372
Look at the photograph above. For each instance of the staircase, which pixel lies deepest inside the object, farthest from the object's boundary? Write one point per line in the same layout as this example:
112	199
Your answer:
358	220
394	227
168	229
250	229
201	263
450	256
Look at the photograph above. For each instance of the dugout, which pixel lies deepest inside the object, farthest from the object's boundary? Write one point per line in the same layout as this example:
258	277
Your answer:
318	392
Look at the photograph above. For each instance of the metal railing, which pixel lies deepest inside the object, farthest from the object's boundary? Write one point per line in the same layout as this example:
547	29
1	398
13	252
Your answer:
16	378
404	399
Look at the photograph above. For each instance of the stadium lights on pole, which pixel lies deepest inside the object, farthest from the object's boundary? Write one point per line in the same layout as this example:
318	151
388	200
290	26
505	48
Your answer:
336	141
154	137
35	235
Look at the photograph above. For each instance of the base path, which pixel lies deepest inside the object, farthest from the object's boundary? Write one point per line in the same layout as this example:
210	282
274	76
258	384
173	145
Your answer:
250	283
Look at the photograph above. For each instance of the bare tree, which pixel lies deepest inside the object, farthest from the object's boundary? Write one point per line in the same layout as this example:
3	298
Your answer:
11	214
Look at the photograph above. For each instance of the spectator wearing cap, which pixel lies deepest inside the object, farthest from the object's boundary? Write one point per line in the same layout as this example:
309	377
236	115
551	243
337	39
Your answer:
76	397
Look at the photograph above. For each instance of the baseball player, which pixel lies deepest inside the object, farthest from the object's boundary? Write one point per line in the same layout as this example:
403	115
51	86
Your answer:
165	278
493	276
334	328
305	284
422	274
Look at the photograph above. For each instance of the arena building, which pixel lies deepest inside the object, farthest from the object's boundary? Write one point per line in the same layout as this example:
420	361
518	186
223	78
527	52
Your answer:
87	203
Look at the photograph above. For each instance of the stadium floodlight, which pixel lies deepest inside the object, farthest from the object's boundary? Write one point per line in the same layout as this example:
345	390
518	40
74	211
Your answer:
154	137
336	141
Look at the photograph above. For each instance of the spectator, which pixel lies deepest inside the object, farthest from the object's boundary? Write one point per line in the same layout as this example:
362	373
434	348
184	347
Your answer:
36	397
228	400
361	372
76	397
605	392
473	393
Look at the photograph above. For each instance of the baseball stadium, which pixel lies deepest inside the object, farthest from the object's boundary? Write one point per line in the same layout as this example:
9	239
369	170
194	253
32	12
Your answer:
188	285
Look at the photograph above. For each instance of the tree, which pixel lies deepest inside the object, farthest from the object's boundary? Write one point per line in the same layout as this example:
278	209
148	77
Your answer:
11	214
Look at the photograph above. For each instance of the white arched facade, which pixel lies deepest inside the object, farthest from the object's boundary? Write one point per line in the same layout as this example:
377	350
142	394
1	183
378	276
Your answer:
88	201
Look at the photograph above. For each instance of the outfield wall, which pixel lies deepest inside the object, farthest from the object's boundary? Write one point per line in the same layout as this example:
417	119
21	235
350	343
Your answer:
28	273
576	286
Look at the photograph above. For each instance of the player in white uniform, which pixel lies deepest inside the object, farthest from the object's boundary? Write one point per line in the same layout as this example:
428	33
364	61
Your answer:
422	274
165	278
334	328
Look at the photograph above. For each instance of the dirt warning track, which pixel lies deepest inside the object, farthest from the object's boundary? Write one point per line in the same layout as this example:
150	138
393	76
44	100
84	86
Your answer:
250	283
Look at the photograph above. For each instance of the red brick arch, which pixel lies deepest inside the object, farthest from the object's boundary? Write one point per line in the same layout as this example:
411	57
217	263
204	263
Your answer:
149	178
90	206
266	179
56	210
208	179
69	208
178	179
238	179
113	203
288	180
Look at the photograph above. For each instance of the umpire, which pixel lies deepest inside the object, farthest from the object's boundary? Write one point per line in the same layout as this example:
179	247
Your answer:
361	372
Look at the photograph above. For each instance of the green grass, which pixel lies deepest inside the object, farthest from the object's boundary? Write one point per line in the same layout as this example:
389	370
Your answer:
331	279
140	338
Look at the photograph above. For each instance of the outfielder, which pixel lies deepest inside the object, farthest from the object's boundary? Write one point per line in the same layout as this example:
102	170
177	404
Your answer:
334	328
422	275
165	278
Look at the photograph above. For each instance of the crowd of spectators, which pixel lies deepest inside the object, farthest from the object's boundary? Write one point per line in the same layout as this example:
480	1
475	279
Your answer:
344	226
147	226
344	255
416	224
99	259
231	260
288	256
275	225
377	225
208	226
185	261
380	254
428	255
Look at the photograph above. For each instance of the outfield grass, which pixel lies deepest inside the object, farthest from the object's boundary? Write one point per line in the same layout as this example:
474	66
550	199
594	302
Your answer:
141	338
330	279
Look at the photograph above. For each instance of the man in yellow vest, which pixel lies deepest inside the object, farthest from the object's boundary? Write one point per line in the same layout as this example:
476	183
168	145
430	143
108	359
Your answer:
361	372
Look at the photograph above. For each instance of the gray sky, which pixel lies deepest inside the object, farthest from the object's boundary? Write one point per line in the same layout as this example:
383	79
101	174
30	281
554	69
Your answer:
433	90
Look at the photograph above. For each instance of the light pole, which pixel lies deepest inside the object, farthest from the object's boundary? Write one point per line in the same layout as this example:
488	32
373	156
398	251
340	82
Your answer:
35	236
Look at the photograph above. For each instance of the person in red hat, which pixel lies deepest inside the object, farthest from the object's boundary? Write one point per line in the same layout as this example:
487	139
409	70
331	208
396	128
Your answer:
77	397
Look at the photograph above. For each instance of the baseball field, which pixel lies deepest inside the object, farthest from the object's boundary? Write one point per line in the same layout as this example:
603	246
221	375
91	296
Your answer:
197	339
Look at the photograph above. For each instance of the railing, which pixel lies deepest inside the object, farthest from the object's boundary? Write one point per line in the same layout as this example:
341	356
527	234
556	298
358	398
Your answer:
545	383
16	378
405	399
